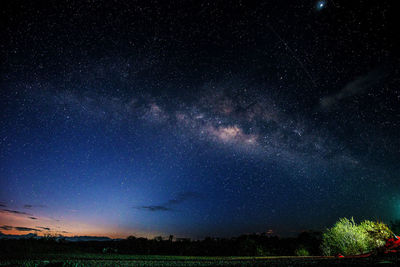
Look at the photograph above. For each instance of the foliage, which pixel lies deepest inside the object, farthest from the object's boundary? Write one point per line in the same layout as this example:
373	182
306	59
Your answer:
348	238
345	237
260	244
378	233
302	251
310	240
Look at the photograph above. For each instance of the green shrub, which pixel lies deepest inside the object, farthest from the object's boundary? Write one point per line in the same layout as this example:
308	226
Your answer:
348	238
345	237
378	233
301	251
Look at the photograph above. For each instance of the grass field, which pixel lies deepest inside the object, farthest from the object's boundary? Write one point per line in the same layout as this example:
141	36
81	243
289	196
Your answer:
154	260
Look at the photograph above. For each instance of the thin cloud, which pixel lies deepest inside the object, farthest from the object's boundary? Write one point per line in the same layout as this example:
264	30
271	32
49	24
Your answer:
44	228
155	208
30	206
32	218
183	196
14	212
26	229
6	227
180	198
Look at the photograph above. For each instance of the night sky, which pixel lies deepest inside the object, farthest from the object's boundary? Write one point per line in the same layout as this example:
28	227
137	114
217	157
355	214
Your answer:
197	118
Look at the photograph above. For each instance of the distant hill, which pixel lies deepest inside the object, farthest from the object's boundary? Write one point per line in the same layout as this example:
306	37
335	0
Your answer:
87	238
66	238
4	236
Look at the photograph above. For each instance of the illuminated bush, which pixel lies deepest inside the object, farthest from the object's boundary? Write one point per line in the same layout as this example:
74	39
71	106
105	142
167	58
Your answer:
348	238
378	233
302	252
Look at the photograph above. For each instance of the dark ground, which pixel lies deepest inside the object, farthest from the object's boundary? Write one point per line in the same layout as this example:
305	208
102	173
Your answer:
154	260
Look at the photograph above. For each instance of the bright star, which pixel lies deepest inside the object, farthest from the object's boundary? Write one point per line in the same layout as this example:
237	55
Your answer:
320	5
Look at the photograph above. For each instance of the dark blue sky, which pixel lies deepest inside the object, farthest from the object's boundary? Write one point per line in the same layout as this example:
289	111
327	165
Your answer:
197	118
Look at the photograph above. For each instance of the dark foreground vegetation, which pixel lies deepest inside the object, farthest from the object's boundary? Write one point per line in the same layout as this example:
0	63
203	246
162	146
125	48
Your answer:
345	237
307	243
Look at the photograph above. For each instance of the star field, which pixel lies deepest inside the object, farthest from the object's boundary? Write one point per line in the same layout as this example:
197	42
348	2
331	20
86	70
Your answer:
197	118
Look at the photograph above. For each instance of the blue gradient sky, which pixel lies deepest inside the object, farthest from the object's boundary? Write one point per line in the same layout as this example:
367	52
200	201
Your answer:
177	119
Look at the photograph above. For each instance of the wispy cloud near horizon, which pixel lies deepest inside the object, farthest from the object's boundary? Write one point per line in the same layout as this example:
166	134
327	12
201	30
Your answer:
14	212
26	229
168	206
30	206
6	227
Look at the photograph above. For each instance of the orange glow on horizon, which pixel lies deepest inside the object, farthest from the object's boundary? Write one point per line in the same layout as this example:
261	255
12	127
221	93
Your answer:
22	224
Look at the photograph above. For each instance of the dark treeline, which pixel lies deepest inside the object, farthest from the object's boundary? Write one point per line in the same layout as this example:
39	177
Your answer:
306	243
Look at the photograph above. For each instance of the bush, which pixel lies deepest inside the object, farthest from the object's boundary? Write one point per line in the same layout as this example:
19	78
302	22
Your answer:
378	233
348	238
301	251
